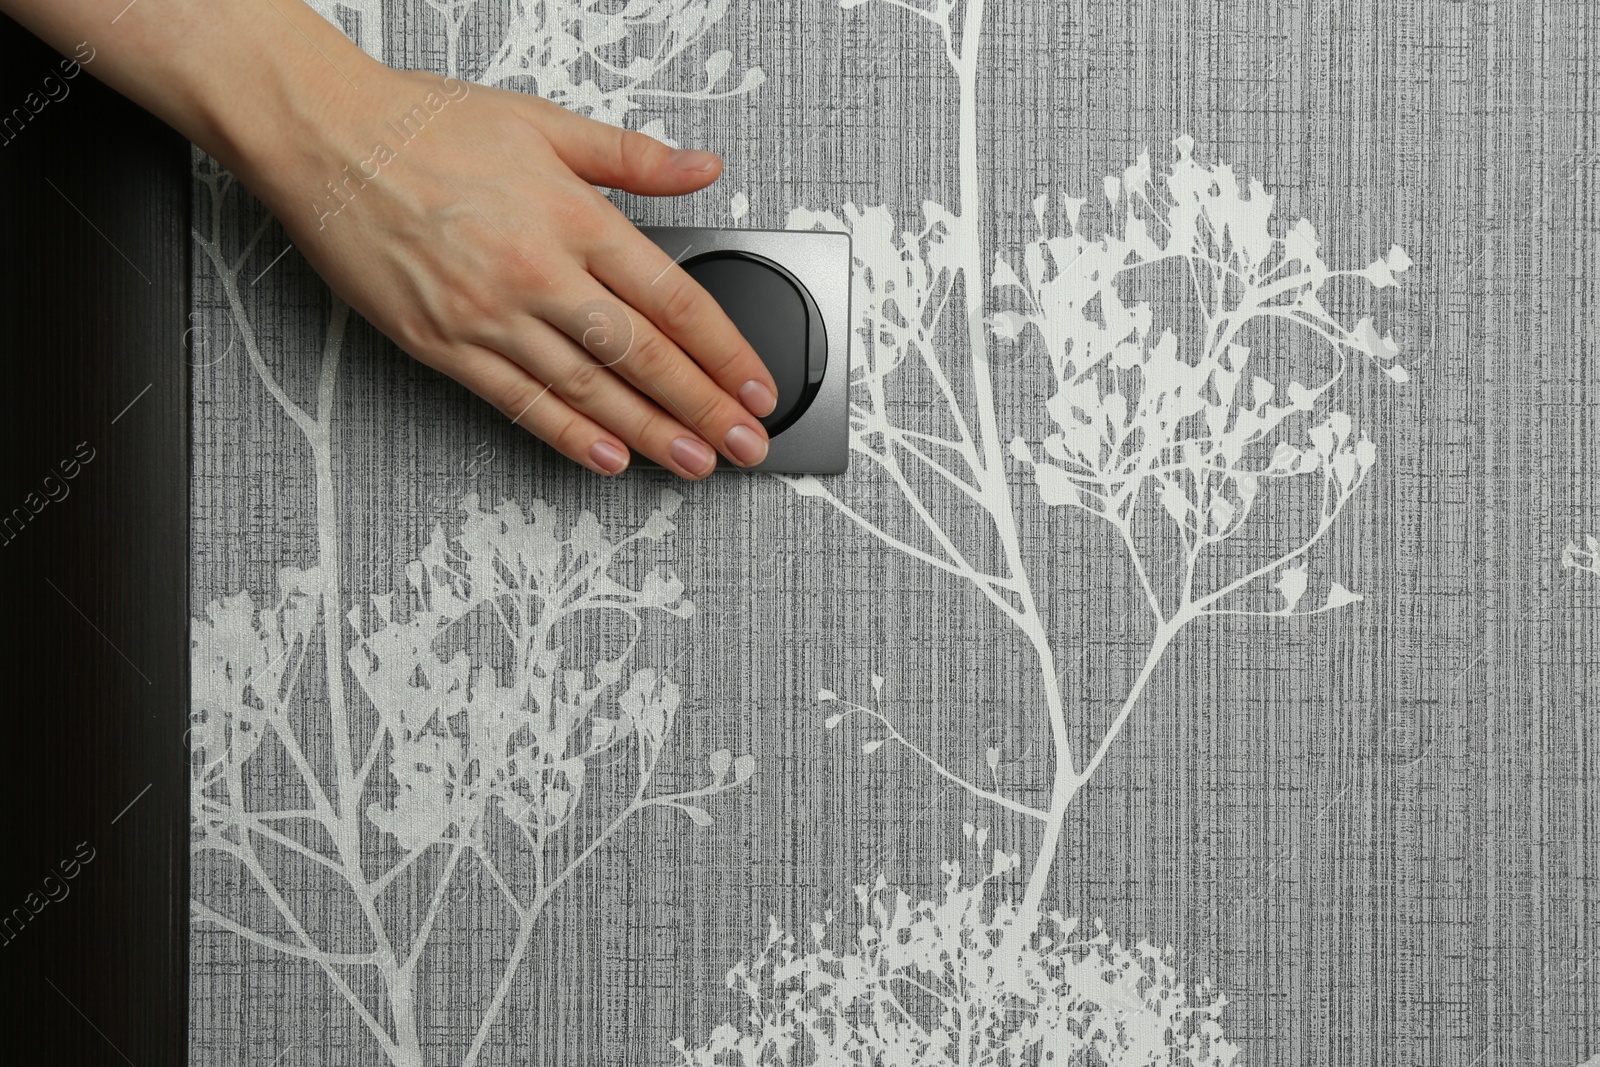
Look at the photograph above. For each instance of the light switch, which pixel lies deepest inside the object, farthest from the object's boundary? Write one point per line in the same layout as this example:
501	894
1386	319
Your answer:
788	292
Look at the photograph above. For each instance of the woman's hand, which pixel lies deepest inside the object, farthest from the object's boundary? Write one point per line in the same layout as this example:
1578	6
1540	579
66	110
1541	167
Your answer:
463	222
459	219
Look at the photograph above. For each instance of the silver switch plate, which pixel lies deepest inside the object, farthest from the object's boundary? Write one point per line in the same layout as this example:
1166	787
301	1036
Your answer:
818	441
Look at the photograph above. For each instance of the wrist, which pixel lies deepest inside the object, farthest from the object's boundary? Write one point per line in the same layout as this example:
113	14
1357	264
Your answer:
298	108
246	80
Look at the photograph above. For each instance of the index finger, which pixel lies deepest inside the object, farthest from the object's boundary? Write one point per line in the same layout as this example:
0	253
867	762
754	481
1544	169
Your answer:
650	281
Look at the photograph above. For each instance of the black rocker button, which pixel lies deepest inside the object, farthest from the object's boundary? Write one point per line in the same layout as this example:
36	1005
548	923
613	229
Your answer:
777	316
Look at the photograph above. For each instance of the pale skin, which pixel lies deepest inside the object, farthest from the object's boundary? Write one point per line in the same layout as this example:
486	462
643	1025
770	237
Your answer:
476	243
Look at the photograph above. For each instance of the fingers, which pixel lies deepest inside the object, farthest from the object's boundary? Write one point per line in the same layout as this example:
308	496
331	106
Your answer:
639	355
607	155
535	407
589	384
646	278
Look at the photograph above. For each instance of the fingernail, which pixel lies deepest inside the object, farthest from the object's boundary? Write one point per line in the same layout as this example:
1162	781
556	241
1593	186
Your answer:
609	457
693	455
746	445
693	159
757	398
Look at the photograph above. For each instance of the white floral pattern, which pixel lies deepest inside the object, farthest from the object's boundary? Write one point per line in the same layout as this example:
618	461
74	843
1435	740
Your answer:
1143	420
455	721
464	722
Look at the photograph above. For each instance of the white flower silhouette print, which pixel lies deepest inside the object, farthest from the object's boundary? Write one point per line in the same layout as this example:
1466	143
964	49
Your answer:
1582	558
487	728
469	724
934	982
392	747
1172	437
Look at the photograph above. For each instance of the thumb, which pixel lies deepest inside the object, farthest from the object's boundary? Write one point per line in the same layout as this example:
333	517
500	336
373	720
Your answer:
602	154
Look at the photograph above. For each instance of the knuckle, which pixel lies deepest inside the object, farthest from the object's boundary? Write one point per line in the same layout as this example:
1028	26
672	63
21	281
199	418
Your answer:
704	410
743	362
578	216
650	427
462	304
650	359
518	398
604	329
569	437
415	335
633	151
583	384
680	311
568	215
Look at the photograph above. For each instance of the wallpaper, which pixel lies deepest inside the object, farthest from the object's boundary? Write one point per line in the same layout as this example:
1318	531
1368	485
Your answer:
1196	666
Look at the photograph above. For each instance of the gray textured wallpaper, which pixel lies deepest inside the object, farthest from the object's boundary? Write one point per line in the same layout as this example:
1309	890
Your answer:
1197	666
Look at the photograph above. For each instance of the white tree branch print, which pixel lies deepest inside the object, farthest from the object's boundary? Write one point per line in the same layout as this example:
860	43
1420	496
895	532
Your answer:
493	735
457	722
1146	424
1584	558
455	727
602	59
